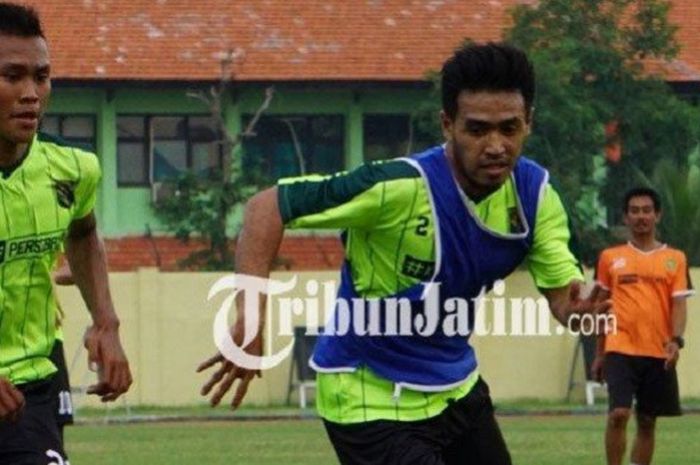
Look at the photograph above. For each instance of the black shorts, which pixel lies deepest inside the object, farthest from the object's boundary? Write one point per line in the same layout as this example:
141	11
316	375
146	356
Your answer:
61	387
34	439
644	379
465	433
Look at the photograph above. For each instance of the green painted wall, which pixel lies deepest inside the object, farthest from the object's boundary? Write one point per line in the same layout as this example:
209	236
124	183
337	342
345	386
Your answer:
126	211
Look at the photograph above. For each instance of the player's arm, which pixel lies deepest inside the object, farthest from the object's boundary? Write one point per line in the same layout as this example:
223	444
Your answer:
258	245
86	256
679	315
554	267
341	201
682	288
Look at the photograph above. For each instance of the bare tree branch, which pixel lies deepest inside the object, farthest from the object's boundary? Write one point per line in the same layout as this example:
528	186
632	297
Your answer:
297	146
249	130
201	97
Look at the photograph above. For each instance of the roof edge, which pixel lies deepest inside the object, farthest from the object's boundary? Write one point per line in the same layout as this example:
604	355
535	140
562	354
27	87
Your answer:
179	83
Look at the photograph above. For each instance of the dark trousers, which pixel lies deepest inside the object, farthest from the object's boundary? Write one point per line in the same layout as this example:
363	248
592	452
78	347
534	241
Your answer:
465	433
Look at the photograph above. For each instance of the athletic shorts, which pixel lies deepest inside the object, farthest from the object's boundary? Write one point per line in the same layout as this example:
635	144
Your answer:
644	379
465	433
34	439
61	387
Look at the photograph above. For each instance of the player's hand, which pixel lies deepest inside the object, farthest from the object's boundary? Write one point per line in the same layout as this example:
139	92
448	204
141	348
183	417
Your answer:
227	372
11	401
63	276
673	352
597	368
107	357
597	303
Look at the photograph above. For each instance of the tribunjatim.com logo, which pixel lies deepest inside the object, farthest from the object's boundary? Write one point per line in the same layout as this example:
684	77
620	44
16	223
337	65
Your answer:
493	315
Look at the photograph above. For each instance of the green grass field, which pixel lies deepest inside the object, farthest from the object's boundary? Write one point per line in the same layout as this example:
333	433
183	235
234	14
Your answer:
533	440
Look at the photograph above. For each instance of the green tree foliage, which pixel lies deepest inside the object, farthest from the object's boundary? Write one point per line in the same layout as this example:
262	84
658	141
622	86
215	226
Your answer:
589	57
206	208
678	185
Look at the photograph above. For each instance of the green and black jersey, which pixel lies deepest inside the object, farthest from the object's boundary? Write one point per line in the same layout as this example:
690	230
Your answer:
54	185
385	210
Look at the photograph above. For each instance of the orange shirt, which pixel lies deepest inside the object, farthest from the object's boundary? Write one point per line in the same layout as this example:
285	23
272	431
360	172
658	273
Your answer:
643	285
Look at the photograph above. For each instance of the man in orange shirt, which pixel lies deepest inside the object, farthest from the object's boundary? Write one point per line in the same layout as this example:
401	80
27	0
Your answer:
649	284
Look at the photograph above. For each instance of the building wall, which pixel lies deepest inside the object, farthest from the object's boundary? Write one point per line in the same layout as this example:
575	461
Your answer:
167	331
125	211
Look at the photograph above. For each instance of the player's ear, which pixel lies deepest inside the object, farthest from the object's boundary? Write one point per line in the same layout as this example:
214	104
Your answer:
447	125
529	120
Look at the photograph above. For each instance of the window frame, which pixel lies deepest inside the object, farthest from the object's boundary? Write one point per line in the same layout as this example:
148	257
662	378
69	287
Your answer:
61	118
148	140
418	143
308	129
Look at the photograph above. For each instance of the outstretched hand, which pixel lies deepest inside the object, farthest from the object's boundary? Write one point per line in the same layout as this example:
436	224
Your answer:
228	372
596	303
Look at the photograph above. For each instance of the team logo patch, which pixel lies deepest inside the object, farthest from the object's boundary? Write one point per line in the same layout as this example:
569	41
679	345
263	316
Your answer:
619	263
514	223
416	268
65	192
671	264
31	247
628	279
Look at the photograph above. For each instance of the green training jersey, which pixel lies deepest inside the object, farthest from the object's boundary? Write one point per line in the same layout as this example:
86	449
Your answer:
385	211
54	185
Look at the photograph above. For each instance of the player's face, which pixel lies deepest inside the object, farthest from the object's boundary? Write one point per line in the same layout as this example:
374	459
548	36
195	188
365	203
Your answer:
485	138
640	217
24	87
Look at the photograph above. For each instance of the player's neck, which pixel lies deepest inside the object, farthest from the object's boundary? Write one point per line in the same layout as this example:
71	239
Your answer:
11	153
645	243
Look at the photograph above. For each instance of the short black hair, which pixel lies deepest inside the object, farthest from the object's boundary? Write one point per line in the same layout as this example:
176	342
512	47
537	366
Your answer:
642	192
19	20
490	67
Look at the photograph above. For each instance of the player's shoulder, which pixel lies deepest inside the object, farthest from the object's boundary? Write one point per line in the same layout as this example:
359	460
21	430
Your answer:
615	251
674	253
55	145
358	180
67	157
394	168
372	173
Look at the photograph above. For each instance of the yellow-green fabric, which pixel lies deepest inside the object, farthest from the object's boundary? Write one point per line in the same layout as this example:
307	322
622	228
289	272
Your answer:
363	396
54	185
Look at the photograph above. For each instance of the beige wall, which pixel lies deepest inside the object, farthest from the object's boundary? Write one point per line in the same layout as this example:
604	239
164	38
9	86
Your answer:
167	331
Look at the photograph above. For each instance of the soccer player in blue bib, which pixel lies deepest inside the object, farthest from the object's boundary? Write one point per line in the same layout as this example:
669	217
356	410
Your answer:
455	218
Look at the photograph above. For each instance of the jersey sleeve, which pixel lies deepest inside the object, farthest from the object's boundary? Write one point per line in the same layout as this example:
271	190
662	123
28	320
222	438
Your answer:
88	181
682	286
602	271
551	260
355	199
